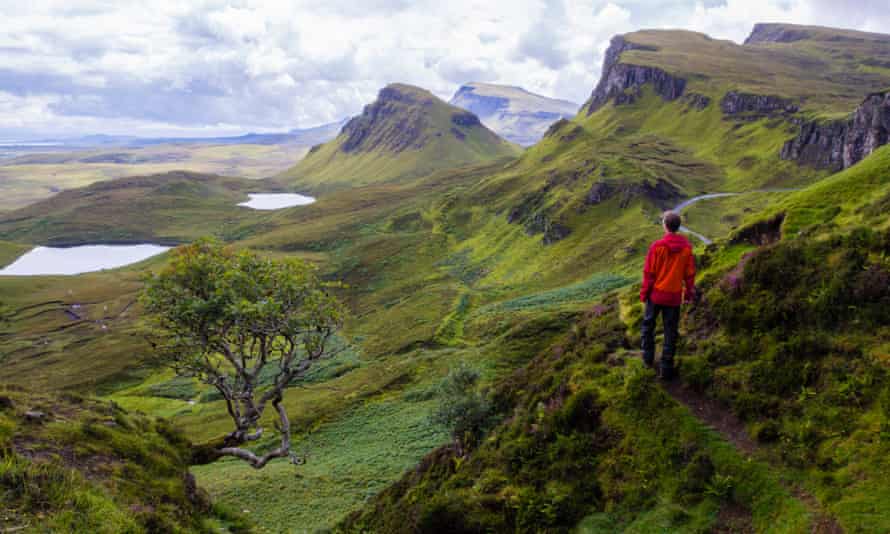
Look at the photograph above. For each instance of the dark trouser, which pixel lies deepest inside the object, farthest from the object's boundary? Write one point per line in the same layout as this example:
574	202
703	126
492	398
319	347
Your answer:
670	317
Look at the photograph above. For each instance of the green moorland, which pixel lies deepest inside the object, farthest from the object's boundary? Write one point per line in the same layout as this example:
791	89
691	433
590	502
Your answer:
72	464
497	265
827	71
31	178
799	353
406	133
173	207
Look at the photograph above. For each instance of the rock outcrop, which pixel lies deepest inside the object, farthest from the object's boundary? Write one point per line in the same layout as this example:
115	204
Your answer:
870	128
698	101
370	131
776	33
836	145
623	82
736	103
661	193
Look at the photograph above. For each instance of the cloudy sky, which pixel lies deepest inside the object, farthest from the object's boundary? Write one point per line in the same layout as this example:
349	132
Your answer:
210	68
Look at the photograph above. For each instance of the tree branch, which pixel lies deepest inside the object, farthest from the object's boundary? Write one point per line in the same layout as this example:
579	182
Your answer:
258	462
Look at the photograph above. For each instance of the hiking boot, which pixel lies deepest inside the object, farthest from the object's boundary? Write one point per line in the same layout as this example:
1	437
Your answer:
649	360
667	374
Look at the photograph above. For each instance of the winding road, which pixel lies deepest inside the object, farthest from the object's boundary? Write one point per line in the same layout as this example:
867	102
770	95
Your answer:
688	202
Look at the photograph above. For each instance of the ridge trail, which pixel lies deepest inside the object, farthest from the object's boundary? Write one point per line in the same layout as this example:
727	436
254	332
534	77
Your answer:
718	417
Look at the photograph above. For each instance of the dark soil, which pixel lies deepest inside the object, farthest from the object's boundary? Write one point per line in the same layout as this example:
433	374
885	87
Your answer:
733	519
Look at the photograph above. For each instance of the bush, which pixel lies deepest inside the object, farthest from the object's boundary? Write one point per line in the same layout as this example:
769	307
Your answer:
463	408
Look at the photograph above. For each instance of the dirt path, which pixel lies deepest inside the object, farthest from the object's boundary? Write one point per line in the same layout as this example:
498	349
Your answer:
710	412
732	429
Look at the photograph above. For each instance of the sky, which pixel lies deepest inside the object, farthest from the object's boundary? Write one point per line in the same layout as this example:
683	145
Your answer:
196	68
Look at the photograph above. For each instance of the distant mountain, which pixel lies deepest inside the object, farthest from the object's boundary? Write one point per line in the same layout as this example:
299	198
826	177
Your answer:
512	112
407	132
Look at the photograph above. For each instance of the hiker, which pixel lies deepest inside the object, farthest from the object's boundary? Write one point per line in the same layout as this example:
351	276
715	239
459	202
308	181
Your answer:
669	267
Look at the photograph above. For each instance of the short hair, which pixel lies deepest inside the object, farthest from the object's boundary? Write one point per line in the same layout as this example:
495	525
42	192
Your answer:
671	221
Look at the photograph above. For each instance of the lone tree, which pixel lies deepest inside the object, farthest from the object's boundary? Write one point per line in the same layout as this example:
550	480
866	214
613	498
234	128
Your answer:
247	326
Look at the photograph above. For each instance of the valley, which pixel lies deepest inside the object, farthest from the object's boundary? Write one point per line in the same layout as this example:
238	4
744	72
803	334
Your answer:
458	248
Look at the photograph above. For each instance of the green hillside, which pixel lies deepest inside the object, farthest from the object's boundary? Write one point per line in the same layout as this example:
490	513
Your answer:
406	133
70	464
790	358
524	268
164	208
824	70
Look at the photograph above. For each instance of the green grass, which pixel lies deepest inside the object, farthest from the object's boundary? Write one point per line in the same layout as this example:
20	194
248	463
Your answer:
858	195
571	446
92	467
420	125
9	252
165	208
584	292
29	179
347	462
822	71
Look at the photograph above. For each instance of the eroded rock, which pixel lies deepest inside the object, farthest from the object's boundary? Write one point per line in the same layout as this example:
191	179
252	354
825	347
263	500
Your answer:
837	145
622	82
737	103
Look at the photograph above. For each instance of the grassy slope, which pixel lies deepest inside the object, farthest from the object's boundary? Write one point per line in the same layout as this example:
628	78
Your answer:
32	178
10	251
438	276
329	167
172	207
92	467
572	444
782	349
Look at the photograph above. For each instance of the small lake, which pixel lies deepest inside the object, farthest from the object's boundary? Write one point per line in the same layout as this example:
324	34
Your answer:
275	201
77	260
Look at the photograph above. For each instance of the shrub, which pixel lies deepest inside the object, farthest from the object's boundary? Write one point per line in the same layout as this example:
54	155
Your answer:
463	408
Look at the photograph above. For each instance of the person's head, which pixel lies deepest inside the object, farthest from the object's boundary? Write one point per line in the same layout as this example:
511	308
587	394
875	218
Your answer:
670	221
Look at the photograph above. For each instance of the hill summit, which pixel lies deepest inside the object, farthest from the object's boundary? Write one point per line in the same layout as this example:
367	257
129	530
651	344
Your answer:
406	132
514	113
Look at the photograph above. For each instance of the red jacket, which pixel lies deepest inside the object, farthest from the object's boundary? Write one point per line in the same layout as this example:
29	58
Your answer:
669	265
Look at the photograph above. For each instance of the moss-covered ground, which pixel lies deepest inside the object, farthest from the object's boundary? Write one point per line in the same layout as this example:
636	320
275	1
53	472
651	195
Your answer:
70	464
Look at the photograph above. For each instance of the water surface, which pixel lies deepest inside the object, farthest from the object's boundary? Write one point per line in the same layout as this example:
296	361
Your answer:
275	201
83	259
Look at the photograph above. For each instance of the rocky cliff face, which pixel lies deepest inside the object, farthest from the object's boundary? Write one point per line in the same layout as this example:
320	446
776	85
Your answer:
622	82
512	112
870	128
736	103
836	145
371	130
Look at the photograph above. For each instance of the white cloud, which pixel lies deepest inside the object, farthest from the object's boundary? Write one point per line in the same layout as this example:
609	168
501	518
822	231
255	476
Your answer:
219	66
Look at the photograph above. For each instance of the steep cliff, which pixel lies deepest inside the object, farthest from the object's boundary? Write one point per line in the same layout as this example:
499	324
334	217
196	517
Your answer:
622	82
736	103
840	144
